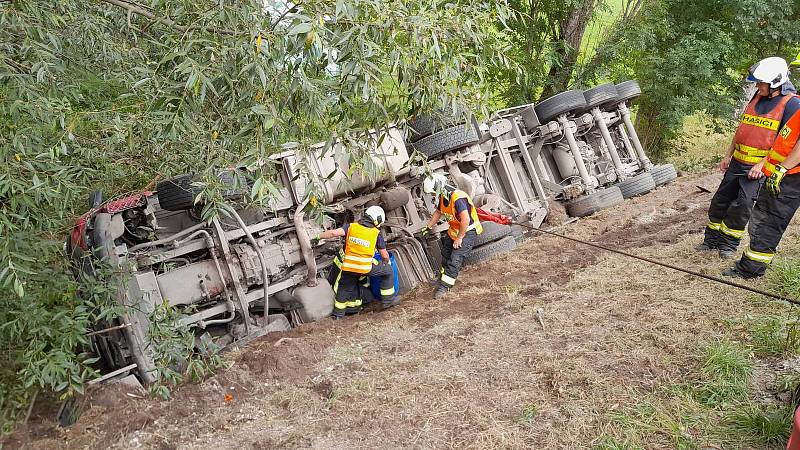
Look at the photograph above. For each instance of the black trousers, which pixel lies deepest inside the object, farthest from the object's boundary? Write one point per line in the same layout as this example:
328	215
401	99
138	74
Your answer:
453	258
771	216
353	289
731	207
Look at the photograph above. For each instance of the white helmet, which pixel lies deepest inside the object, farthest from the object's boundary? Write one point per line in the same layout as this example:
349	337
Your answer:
434	184
376	214
773	71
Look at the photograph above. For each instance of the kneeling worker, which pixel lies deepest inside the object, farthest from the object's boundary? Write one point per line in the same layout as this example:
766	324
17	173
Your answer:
457	207
356	264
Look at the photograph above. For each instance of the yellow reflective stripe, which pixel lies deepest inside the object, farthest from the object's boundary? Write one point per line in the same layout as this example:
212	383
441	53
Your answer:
763	257
358	259
730	231
775	156
448	280
348	304
389	291
359	267
714	225
761	122
749	154
337	262
769	167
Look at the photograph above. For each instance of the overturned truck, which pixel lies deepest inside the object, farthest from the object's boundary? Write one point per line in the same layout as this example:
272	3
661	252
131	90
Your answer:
254	270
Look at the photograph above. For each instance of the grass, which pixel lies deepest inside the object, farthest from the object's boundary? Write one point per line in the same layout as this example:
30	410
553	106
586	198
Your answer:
701	144
715	409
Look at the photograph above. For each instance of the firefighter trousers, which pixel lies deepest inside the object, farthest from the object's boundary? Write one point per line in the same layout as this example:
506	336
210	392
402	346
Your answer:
771	216
731	207
453	258
353	289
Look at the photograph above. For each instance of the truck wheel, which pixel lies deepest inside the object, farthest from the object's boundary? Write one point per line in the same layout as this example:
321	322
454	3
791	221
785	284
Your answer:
663	174
177	194
558	104
433	250
423	126
490	250
492	231
447	140
317	301
590	204
600	95
628	90
518	232
638	185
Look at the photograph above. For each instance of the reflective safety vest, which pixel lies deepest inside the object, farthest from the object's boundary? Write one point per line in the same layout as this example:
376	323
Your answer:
359	248
756	133
783	145
449	212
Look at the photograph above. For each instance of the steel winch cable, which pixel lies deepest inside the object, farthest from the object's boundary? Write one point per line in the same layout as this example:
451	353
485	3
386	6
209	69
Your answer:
667	265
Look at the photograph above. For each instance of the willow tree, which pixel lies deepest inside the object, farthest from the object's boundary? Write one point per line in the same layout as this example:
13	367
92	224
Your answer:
112	94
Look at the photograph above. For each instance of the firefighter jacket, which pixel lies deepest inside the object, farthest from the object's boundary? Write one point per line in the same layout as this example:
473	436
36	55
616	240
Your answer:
757	132
783	145
449	211
359	248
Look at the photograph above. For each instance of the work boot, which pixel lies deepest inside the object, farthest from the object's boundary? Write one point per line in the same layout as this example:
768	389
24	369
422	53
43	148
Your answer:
727	254
734	272
441	291
393	302
337	315
704	247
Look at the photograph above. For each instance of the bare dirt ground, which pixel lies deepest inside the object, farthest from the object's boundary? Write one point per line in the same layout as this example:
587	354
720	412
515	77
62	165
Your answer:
533	350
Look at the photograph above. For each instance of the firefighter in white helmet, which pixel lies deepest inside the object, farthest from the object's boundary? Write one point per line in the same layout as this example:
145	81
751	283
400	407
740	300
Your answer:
457	208
356	264
772	105
777	201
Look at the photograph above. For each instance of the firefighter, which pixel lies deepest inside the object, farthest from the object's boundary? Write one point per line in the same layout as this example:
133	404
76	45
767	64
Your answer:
777	201
457	208
356	264
773	103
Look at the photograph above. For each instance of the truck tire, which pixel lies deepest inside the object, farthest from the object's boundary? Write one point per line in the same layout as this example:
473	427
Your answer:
600	95
638	185
558	104
590	204
433	250
518	232
490	250
447	140
177	194
663	174
492	231
628	90
424	126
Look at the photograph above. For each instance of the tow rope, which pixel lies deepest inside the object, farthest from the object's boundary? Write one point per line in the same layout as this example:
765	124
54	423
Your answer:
667	265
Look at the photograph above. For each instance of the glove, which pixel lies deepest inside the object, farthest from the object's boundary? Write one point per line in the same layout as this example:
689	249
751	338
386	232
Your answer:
774	180
424	232
315	240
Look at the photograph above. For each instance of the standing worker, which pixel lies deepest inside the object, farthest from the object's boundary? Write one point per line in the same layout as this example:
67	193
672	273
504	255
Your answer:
768	110
777	202
356	264
457	208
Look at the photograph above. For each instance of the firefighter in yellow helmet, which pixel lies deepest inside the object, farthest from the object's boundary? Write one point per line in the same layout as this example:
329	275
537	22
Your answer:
457	207
356	264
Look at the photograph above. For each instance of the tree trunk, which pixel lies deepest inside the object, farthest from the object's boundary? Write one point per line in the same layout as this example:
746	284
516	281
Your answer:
571	33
